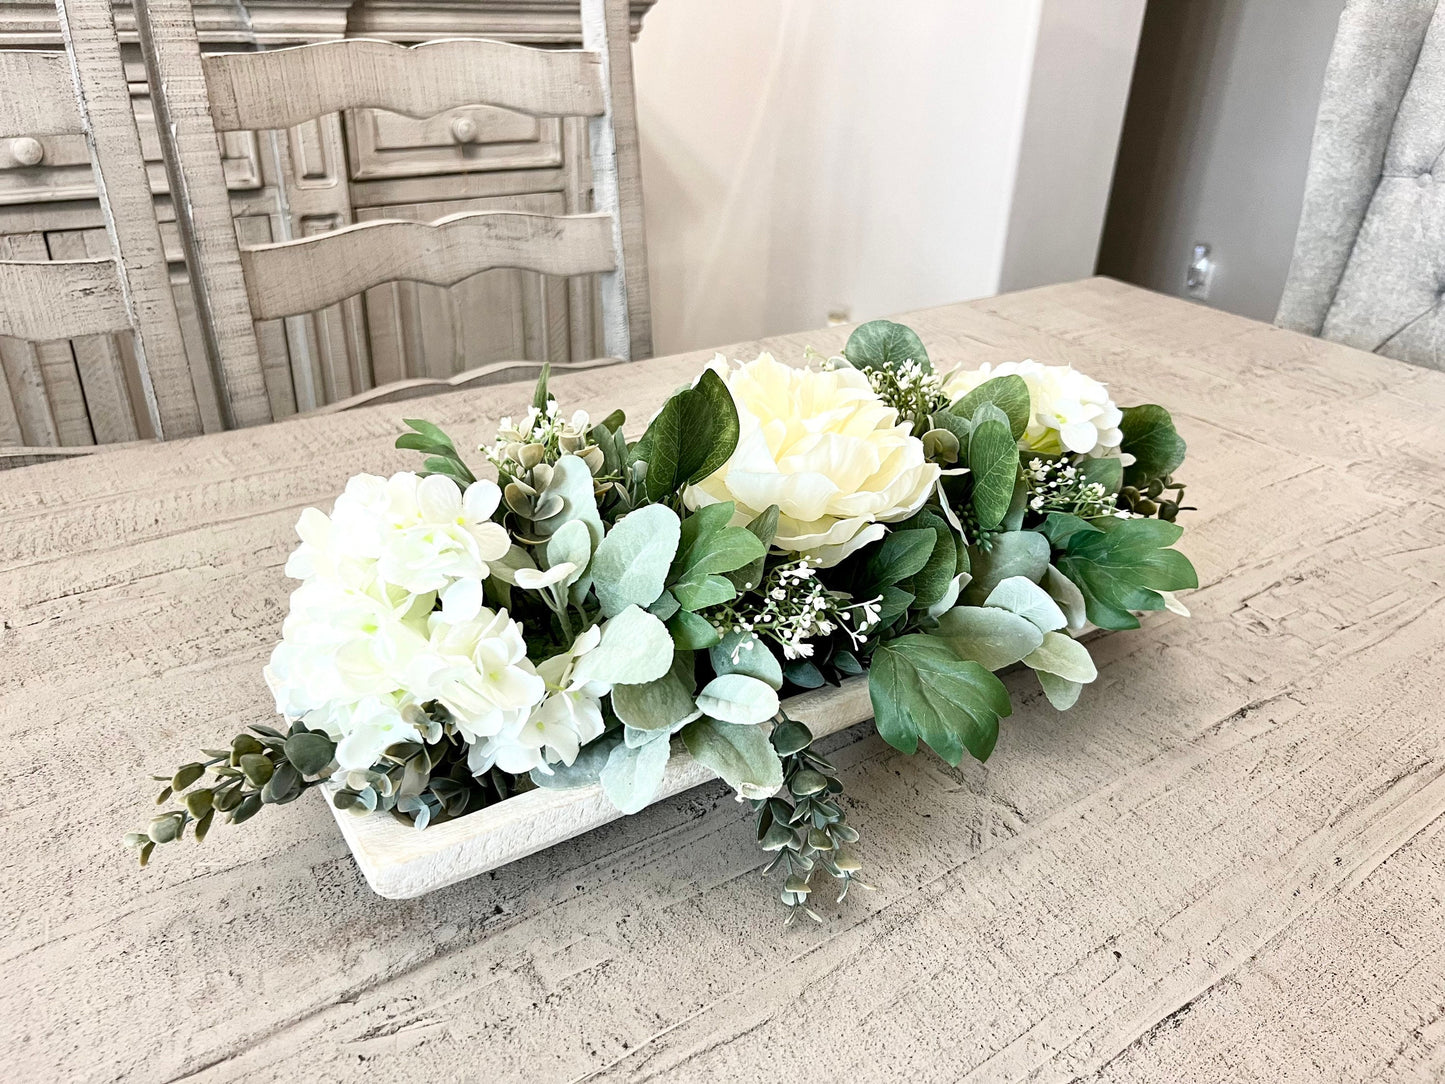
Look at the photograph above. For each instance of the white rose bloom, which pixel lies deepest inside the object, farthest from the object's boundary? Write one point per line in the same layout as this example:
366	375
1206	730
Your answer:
1069	411
826	450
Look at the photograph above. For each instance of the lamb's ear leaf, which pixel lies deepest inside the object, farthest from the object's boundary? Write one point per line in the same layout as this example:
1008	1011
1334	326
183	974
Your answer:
742	755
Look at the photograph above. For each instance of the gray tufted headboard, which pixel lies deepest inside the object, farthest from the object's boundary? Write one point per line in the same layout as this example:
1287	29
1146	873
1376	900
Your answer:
1369	260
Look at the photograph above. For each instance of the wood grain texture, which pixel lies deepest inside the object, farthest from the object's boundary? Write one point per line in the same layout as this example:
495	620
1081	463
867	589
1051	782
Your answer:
282	279
38	98
56	299
197	178
281	88
1223	864
502	372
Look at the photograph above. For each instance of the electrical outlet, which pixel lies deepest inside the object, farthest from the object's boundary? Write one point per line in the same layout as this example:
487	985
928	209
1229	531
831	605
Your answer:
1201	272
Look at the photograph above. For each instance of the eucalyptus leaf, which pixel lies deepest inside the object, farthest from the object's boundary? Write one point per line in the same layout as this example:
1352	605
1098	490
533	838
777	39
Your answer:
901	555
932	581
635	648
1027	599
691	632
1009	393
584	771
993	460
992	637
741	755
661	704
310	752
738	698
882	344
1015	553
1107	471
1063	656
631	562
633	774
746	653
1150	437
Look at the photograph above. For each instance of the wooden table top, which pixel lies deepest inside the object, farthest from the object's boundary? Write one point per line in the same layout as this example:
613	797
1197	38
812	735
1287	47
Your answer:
1224	864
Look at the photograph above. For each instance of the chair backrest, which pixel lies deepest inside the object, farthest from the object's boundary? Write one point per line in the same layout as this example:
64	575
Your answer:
1367	267
84	91
199	95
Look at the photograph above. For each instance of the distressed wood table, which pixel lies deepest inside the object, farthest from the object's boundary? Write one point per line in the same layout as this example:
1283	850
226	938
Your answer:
1224	864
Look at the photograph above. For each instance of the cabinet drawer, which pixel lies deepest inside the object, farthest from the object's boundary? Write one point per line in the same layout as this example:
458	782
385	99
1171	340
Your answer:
385	145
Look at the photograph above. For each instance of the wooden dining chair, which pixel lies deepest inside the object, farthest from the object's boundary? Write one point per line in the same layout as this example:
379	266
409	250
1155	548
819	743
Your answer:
198	95
84	91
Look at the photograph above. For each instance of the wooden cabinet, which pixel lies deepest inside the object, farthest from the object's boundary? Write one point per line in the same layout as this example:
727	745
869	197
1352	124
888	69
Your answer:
361	165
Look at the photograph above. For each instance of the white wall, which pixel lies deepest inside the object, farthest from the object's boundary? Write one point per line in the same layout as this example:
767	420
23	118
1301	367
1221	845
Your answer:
801	156
1216	146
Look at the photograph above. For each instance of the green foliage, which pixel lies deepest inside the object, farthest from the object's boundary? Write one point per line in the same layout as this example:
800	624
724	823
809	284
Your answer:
635	648
708	549
692	632
1014	553
1149	436
993	461
988	635
804	824
765	527
882	344
1121	564
931	582
632	560
921	689
663	704
1009	393
738	698
632	775
442	453
1107	471
746	653
693	435
739	754
585	771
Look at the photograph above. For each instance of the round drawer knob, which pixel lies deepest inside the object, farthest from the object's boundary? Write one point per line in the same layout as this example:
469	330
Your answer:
465	130
27	151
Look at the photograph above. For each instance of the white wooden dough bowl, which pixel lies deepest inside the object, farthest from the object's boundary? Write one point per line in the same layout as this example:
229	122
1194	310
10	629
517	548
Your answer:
400	862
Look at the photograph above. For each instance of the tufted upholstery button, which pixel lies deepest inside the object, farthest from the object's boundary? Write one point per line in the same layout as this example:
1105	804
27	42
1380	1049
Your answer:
1425	178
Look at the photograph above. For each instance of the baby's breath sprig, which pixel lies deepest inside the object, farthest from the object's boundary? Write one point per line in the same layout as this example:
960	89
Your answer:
909	388
1056	485
792	608
804	823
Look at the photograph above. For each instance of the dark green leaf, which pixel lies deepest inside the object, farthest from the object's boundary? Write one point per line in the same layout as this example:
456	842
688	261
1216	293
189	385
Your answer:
1009	393
694	434
931	582
803	674
257	768
1107	471
765	527
1059	527
612	423
1016	553
1121	567
310	752
248	808
691	632
539	393
902	554
1150	437
993	461
896	602
882	344
921	690
791	736
709	547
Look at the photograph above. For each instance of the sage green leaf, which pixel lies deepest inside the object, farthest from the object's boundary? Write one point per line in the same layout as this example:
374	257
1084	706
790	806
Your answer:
631	562
901	555
662	704
187	774
539	393
572	481
987	412
635	648
664	606
691	632
1063	656
710	547
993	460
1027	599
1013	519
1121	567
920	689
1067	594
697	595
961	428
741	755
693	435
571	544
737	698
765	527
257	768
633	774
1015	553
1150	437
1009	393
989	636
310	752
804	674
882	344
745	653
584	771
1062	693
1107	471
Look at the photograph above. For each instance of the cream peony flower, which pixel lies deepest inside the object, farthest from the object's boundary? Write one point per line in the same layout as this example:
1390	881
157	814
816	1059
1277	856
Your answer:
826	450
1070	411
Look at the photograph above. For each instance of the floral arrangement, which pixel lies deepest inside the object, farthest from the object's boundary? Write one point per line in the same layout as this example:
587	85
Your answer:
606	603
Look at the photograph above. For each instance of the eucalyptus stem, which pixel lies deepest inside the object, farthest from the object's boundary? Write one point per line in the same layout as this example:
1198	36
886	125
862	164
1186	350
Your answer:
804	824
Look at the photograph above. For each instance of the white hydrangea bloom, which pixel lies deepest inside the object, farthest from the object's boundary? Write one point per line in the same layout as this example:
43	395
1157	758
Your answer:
364	644
825	449
1069	411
